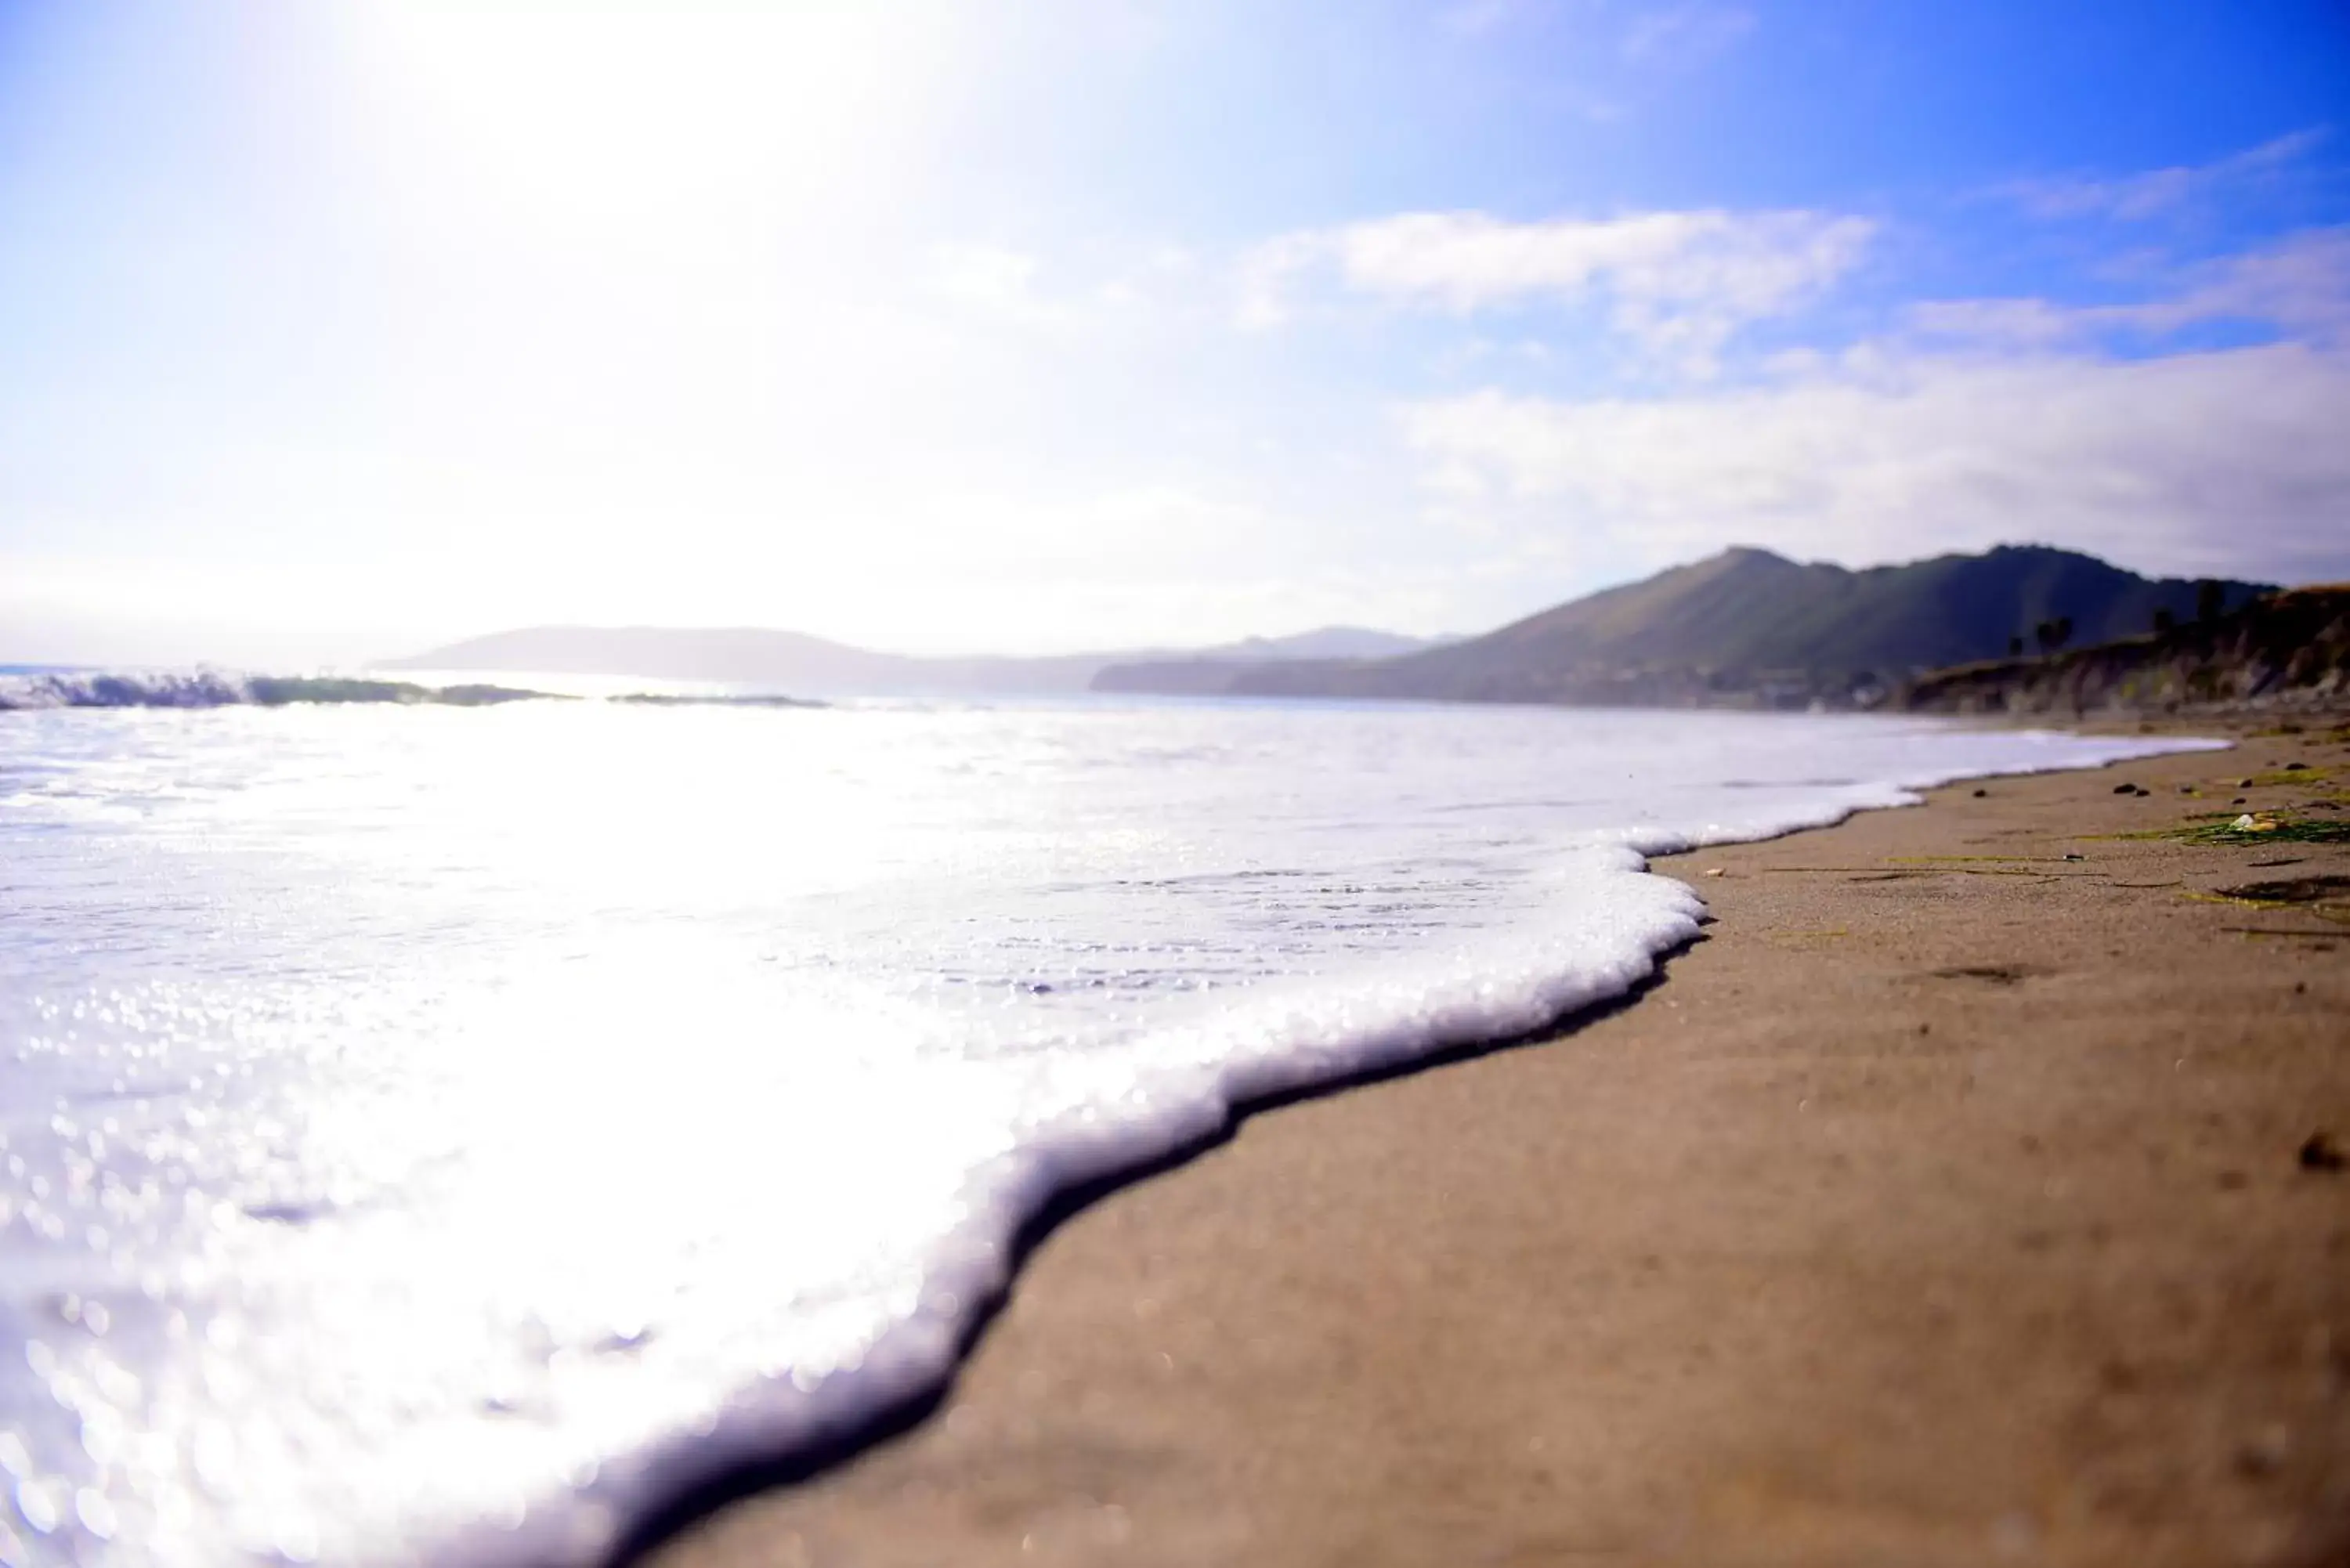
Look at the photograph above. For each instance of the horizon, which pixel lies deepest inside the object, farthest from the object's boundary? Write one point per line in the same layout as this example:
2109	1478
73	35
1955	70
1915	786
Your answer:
341	335
991	652
417	659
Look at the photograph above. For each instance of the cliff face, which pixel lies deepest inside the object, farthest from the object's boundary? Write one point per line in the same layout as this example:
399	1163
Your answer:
2286	650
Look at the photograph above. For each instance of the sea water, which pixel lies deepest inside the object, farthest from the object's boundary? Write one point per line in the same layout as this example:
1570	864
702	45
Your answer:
444	1134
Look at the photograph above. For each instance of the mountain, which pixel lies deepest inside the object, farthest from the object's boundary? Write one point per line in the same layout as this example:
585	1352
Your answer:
750	656
1747	628
1212	671
1329	642
741	654
2277	652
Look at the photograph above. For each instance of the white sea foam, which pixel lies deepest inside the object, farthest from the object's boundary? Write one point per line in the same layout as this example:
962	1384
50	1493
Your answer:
447	1135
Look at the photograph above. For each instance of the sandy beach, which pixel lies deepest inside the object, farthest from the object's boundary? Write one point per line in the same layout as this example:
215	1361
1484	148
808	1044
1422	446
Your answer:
1971	1193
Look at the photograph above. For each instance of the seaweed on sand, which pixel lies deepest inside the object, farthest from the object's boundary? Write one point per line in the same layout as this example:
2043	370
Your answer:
2264	830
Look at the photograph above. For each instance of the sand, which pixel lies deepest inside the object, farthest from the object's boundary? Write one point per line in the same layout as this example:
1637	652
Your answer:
1946	1204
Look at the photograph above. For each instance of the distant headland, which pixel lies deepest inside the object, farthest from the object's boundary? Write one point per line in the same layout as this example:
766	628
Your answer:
1748	628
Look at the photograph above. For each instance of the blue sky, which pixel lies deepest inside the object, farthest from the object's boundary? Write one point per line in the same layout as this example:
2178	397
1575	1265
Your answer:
330	330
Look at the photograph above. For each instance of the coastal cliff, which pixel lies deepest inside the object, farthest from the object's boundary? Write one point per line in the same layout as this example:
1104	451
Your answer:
2285	650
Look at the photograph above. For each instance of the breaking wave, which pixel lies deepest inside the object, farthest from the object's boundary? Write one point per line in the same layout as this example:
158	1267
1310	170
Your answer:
216	688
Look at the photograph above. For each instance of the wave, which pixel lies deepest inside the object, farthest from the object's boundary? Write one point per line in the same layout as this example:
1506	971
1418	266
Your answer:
215	689
720	1390
1288	1043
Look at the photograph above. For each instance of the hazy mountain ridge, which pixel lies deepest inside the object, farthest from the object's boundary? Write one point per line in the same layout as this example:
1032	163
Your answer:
755	656
1742	628
1211	672
1747	628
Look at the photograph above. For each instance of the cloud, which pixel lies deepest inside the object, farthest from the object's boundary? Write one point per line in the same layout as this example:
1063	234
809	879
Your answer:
2221	462
2162	191
2299	286
1269	274
1475	19
1685	35
994	277
1094	296
2031	323
1678	284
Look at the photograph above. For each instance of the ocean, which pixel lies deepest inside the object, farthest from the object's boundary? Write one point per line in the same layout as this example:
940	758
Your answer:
440	1135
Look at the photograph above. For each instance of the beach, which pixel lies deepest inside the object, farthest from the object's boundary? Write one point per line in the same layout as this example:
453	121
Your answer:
1970	1192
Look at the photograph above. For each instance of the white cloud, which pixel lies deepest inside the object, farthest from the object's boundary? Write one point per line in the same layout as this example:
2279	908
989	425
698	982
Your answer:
1678	284
994	277
1685	35
2161	191
2299	285
2029	322
1475	19
2223	462
1129	291
1269	274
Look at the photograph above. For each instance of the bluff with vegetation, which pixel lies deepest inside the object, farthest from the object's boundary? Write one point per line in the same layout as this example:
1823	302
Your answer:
1748	628
2282	651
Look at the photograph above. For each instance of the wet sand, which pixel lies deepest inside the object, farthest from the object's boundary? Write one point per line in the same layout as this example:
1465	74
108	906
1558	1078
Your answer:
1953	1201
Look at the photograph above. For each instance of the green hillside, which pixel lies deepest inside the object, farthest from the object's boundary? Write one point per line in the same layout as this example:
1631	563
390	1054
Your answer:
1749	628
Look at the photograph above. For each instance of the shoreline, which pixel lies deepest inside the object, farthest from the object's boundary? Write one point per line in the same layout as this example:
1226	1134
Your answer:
1058	1424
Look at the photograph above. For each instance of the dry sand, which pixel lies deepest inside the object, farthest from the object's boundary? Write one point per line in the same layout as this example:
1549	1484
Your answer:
1944	1206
